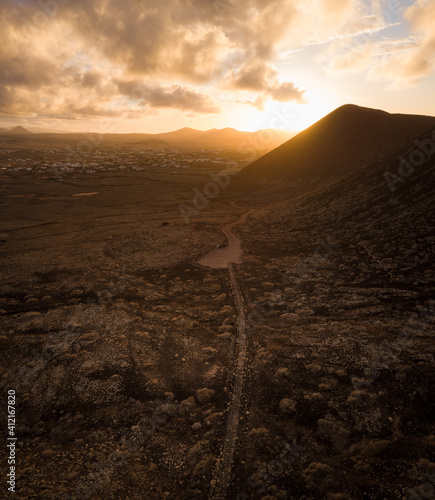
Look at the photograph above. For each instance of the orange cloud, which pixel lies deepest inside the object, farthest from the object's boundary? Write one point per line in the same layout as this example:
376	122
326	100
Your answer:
64	57
261	78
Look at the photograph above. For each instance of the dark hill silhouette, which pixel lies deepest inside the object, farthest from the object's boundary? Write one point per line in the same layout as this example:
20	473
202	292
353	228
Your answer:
377	205
347	138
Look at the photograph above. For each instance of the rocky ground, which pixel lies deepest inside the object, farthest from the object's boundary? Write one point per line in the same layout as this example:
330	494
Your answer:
117	345
119	384
342	295
121	350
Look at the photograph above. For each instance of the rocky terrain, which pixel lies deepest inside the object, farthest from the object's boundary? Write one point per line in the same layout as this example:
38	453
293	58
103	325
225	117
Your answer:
122	350
342	288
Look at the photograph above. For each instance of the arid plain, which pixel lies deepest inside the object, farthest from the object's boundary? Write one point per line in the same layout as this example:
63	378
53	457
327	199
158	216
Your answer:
126	351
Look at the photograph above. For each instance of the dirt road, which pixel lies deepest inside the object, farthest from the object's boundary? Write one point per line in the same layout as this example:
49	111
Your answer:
221	257
222	475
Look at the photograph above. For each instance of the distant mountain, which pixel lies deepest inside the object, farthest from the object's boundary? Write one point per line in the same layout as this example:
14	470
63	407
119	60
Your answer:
184	138
19	130
183	134
223	137
231	138
30	130
189	138
345	139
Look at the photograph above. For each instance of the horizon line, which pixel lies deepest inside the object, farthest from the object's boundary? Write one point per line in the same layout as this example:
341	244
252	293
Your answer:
9	128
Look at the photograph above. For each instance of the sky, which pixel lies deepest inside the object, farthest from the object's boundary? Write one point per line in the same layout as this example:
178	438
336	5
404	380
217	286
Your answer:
116	66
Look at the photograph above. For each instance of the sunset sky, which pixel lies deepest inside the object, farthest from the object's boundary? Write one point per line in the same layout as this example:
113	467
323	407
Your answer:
148	66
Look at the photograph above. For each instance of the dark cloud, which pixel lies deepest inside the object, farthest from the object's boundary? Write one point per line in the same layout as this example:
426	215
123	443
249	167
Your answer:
260	77
253	77
90	54
188	39
167	97
91	78
286	91
20	70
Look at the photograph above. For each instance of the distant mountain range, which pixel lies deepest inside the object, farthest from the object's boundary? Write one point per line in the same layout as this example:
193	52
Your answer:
214	138
263	140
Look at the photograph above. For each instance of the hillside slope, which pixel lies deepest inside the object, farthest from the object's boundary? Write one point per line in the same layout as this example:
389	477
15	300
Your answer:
382	214
347	138
339	275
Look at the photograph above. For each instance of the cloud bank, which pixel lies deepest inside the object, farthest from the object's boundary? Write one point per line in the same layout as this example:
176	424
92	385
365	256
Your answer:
75	58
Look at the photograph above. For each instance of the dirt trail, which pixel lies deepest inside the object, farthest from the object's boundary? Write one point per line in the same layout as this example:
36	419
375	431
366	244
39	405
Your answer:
222	474
221	257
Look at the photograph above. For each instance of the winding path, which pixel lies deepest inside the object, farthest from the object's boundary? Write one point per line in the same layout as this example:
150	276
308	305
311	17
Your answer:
218	259
222	474
232	253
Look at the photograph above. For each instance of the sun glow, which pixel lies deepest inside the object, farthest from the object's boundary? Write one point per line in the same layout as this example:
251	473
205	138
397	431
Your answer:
318	104
289	116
